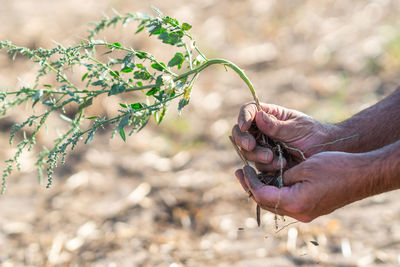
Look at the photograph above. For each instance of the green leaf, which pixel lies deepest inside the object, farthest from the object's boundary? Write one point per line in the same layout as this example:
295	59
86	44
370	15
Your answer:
139	84
177	60
157	29
136	106
159	116
159	82
86	103
124	121
141	54
117	89
98	83
186	26
159	13
182	103
84	76
49	103
93	117
171	38
158	66
122	134
141	28
48	85
115	45
142	75
127	70
123	105
115	74
153	91
90	137
171	21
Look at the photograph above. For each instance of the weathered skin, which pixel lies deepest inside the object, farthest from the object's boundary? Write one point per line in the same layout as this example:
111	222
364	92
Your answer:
341	171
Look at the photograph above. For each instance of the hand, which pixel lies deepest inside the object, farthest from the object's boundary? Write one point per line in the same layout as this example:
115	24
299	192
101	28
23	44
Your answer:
315	187
295	129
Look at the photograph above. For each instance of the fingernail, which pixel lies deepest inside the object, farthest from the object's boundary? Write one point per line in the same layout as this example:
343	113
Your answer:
247	143
265	157
241	122
248	171
265	117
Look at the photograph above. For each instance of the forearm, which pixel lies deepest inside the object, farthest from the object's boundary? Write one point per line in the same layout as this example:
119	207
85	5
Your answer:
385	168
374	172
370	173
370	129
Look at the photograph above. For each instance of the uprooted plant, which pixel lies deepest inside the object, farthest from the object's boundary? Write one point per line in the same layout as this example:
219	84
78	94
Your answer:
127	71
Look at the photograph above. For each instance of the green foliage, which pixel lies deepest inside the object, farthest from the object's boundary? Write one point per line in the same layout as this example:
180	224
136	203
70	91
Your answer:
155	84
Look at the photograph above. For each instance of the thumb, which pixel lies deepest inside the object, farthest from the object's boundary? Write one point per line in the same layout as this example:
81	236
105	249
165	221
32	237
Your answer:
273	127
252	180
293	175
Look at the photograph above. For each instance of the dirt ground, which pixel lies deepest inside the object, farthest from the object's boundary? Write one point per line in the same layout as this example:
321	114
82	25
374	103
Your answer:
168	197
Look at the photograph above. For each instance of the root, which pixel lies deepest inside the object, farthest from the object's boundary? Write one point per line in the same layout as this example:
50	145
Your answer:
282	151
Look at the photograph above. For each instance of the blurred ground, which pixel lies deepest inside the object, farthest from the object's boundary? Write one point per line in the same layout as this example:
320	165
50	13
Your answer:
168	196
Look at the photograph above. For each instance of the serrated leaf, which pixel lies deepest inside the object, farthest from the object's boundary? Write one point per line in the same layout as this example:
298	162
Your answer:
171	21
186	26
177	60
171	38
142	75
117	89
158	66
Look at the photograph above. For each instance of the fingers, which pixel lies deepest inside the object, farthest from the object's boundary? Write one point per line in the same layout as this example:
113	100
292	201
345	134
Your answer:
274	165
272	127
243	139
259	154
294	175
266	196
246	116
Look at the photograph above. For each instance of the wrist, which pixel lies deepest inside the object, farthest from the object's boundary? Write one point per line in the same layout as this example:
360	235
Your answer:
384	167
340	138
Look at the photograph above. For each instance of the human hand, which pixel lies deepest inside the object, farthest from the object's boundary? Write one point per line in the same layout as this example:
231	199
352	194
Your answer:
317	186
301	134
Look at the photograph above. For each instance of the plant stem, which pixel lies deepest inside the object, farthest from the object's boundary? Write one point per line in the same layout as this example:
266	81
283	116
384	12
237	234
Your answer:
230	64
